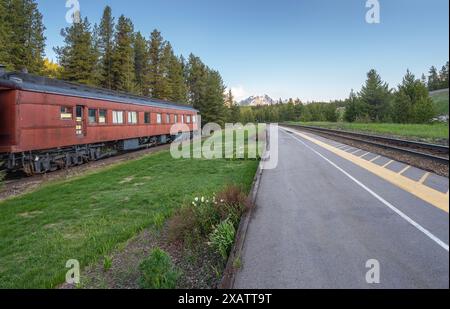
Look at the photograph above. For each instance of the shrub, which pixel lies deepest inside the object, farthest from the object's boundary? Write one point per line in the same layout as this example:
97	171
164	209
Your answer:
107	263
222	237
232	203
198	219
158	271
182	224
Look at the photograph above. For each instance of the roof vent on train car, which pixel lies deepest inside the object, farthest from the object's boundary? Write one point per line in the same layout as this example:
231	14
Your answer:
16	79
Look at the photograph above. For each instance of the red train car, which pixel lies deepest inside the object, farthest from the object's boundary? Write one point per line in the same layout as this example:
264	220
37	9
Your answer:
47	124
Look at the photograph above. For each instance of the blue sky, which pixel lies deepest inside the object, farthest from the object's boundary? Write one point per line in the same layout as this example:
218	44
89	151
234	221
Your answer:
311	49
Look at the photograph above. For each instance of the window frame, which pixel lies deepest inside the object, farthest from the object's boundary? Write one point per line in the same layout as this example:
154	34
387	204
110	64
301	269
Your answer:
149	119
61	113
130	120
115	119
95	116
105	117
158	118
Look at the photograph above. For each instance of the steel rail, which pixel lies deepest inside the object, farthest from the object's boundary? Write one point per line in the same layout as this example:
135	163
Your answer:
363	138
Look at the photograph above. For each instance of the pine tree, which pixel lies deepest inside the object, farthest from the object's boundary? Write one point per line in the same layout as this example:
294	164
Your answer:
23	31
402	109
443	77
105	45
214	106
433	79
163	86
78	57
235	113
424	80
97	71
177	80
354	109
206	91
122	70
153	74
196	79
140	62
375	94
412	103
5	32
229	99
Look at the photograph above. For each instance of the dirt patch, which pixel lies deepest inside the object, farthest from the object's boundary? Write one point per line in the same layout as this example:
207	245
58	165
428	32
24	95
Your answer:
200	267
31	214
127	180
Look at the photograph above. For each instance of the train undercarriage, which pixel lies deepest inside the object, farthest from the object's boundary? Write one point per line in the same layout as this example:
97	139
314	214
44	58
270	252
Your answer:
44	161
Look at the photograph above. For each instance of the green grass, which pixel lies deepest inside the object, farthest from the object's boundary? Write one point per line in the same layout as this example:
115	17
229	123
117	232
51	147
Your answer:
88	217
429	132
158	271
441	102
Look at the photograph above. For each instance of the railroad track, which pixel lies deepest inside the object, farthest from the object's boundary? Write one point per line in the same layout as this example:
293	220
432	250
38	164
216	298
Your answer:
433	152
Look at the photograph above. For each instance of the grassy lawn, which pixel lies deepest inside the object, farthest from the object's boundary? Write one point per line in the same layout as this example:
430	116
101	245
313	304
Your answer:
428	132
88	217
441	101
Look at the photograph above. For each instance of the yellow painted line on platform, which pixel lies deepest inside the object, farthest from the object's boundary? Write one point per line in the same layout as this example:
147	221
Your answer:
427	194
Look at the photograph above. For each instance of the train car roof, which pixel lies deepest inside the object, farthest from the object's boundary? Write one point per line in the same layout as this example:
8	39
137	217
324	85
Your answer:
28	82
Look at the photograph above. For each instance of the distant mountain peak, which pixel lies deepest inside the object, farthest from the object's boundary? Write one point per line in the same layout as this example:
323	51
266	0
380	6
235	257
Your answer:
257	101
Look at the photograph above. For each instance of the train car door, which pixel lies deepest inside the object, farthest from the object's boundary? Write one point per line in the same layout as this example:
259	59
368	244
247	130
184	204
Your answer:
79	120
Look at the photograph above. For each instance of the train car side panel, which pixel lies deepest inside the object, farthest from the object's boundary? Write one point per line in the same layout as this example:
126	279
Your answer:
44	125
8	136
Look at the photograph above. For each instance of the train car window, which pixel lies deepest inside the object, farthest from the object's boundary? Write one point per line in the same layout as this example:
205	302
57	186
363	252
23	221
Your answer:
194	119
92	116
147	117
66	113
175	118
117	117
102	116
132	117
158	118
182	118
188	119
79	112
167	118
